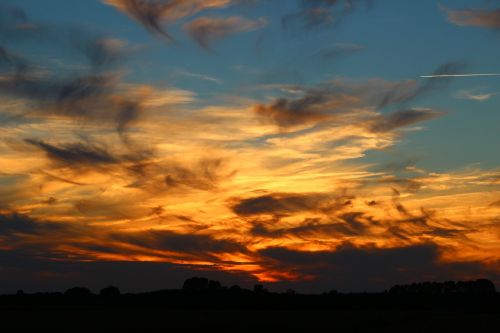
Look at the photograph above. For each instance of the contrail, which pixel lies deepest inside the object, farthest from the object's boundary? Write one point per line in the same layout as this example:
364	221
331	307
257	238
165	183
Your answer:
459	75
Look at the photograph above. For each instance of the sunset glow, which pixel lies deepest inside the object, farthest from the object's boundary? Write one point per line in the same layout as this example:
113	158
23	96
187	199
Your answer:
302	143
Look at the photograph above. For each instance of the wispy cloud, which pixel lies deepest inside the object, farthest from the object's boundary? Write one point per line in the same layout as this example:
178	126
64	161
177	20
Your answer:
152	14
485	18
475	95
204	77
459	75
205	30
322	13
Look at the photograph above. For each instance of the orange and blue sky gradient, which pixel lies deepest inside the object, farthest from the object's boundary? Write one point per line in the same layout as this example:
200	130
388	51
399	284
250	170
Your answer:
306	144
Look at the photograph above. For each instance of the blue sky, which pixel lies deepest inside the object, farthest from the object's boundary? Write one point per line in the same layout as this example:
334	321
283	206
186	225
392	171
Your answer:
401	40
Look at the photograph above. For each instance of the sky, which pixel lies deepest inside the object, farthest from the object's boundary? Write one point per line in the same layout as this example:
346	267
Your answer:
305	144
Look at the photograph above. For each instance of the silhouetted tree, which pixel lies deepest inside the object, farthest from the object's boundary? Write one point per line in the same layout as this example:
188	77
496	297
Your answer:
484	286
195	284
78	292
200	284
214	285
110	291
478	287
235	289
259	289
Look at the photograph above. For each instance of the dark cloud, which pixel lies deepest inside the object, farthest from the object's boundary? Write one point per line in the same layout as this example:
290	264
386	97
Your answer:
403	118
18	223
146	173
196	245
205	30
338	51
431	85
351	268
316	13
129	112
287	113
318	104
406	92
154	14
91	94
348	224
205	175
76	154
33	237
11	61
338	221
148	13
287	203
339	101
21	271
101	53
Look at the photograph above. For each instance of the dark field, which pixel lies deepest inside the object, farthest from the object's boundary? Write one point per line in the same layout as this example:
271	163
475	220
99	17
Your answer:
175	311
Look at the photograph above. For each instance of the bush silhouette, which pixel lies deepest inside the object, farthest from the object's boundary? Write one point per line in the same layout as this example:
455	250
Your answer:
110	291
78	292
200	284
478	287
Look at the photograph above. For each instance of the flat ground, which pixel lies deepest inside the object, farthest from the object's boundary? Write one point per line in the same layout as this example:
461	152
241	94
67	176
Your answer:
159	319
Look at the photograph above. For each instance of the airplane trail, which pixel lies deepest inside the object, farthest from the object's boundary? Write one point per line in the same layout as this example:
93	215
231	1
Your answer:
459	75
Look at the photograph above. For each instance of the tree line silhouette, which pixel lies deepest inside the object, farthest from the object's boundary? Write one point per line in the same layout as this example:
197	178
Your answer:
478	287
202	303
201	292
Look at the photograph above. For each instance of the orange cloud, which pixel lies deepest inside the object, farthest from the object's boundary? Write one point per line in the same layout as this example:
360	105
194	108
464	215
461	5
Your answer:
151	14
475	17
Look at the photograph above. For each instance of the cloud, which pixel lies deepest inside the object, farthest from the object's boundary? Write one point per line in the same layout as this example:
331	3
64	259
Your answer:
98	169
15	25
14	223
33	274
495	204
474	95
407	91
12	61
338	51
88	96
317	13
484	18
152	14
203	77
314	229
349	268
202	247
92	93
204	175
288	113
205	30
76	154
329	220
339	101
403	118
288	203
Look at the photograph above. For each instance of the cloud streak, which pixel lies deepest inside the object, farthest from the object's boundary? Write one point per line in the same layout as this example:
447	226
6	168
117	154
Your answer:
152	14
205	30
459	75
484	18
